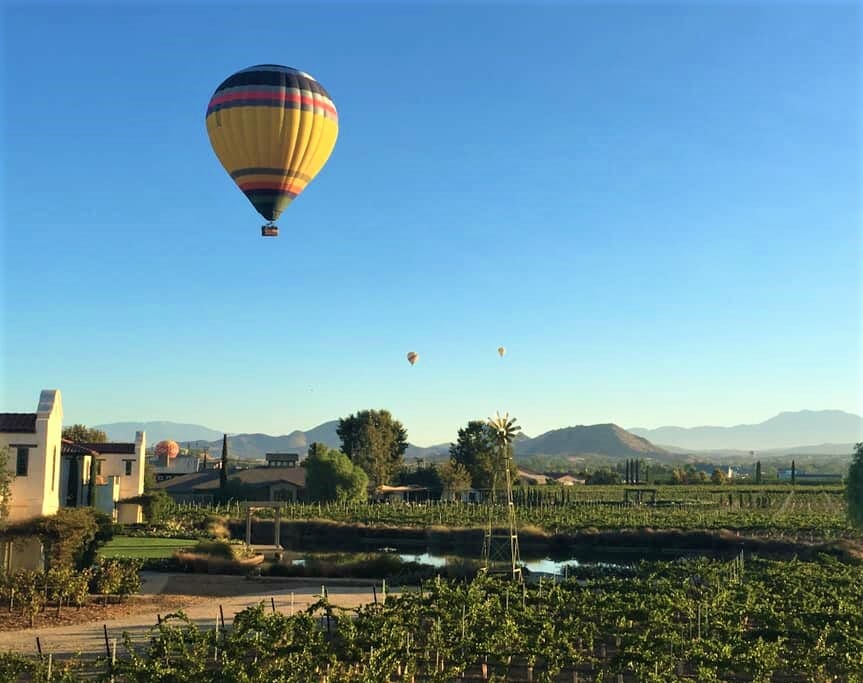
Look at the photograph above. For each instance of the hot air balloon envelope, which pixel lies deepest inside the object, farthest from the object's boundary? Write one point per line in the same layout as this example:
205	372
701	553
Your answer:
167	449
412	357
273	129
501	350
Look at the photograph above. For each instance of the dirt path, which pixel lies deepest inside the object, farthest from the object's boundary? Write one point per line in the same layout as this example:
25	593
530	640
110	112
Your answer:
200	595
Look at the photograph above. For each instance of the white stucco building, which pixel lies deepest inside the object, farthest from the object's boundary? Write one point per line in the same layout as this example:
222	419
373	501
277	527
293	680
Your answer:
50	472
34	444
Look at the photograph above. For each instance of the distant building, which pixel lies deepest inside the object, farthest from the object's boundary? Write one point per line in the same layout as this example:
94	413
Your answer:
283	459
569	480
785	475
408	493
528	477
168	468
257	484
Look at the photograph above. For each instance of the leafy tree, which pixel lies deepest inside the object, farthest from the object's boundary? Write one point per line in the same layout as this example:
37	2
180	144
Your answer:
603	476
83	434
149	478
718	476
854	487
423	475
375	441
331	476
5	482
475	450
455	479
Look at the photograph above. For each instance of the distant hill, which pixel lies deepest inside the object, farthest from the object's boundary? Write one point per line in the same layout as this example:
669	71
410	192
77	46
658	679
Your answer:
157	431
785	430
602	439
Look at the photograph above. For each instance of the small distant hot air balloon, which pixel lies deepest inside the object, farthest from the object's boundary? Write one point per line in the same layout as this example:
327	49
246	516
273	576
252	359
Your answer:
501	351
412	357
167	449
273	128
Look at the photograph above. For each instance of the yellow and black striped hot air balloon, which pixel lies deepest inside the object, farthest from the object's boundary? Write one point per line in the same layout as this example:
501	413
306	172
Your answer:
273	129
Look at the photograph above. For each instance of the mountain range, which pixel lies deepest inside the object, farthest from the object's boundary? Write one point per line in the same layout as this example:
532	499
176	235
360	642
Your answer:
822	432
789	430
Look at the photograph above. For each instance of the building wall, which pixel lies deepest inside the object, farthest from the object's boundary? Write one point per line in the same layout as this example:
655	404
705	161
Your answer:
284	491
114	465
105	496
130	513
38	493
22	553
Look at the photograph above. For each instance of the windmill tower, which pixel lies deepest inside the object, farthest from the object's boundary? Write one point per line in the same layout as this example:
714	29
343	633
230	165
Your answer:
500	545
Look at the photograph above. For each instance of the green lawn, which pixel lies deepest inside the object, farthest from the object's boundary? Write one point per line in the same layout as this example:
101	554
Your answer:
132	546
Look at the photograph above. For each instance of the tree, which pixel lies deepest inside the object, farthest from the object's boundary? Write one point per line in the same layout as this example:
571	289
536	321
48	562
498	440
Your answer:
793	473
331	476
718	476
603	476
678	476
758	472
375	441
854	487
223	472
475	451
149	477
455	479
82	434
427	476
5	482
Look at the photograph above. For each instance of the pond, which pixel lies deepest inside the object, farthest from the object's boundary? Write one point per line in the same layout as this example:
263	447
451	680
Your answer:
540	565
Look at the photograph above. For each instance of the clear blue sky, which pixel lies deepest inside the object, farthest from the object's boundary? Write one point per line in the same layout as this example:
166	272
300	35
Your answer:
655	207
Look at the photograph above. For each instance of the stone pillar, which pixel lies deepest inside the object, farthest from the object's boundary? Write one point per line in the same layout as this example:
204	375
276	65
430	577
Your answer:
248	526
278	528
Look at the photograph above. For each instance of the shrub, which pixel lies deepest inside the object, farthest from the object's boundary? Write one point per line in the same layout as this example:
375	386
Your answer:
107	577
30	591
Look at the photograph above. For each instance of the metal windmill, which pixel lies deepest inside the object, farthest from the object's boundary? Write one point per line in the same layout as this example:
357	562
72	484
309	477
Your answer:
500	546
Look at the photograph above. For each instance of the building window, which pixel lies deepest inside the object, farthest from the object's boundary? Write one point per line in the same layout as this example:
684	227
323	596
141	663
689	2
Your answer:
98	468
21	464
128	467
54	468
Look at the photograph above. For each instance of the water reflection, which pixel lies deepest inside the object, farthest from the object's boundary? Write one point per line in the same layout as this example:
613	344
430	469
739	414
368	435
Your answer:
544	565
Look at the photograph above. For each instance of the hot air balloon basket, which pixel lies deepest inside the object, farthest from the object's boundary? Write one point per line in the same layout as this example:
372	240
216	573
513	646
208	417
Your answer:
269	231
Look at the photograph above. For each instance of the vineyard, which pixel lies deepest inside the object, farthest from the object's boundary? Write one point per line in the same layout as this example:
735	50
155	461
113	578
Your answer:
810	513
688	620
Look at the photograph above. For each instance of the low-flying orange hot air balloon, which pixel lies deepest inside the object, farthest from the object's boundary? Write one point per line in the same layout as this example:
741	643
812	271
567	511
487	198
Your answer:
273	128
412	357
167	449
501	351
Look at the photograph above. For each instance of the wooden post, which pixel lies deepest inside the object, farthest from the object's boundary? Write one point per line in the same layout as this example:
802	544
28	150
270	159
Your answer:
113	657
249	526
277	540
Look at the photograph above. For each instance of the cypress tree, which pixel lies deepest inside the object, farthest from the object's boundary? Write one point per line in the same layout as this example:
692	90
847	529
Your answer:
793	473
223	472
758	472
